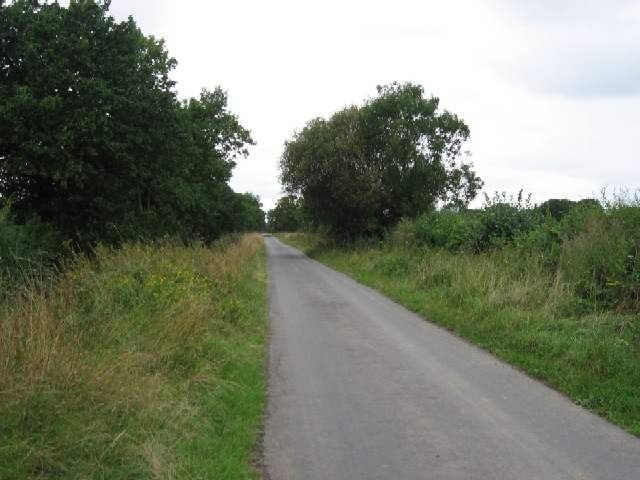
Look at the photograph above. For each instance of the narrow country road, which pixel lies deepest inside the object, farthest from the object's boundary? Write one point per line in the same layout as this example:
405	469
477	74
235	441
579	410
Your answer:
360	388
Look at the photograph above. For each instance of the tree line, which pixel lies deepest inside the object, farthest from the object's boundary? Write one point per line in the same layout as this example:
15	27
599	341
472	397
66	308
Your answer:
95	145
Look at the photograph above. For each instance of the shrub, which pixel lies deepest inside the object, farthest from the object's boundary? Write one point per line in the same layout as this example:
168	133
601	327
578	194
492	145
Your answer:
32	246
449	229
543	242
575	221
600	254
592	245
503	221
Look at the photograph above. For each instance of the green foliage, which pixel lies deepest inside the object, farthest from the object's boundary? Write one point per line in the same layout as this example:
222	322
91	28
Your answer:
501	221
27	248
248	215
544	242
575	221
449	229
81	99
594	248
367	167
593	245
600	254
286	216
93	140
504	221
217	136
556	208
414	150
144	362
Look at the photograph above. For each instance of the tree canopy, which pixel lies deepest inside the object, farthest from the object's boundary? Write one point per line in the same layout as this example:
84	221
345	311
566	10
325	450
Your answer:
286	216
93	138
365	168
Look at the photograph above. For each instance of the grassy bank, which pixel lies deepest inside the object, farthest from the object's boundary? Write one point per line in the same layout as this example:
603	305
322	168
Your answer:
511	305
144	362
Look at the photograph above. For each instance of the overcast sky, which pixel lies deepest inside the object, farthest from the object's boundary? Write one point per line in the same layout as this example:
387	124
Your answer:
549	88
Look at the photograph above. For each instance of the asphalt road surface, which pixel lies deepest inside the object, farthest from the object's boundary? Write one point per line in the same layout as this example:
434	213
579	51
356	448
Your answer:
360	388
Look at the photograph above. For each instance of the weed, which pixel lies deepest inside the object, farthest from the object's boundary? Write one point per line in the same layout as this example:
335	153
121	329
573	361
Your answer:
143	362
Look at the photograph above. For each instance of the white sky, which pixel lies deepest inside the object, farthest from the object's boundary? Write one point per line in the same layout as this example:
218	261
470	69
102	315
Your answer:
549	88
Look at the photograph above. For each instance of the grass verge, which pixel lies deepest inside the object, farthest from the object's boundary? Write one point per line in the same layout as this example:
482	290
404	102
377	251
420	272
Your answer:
144	362
507	303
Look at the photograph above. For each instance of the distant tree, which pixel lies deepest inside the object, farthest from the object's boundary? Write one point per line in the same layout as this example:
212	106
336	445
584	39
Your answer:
286	216
365	168
248	215
199	184
557	208
590	203
417	151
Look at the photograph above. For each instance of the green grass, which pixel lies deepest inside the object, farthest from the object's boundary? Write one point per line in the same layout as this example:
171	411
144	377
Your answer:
143	362
509	304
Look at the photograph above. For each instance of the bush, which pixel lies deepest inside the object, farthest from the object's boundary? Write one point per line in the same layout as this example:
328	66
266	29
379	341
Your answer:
600	253
576	220
33	246
543	242
592	245
454	231
504	221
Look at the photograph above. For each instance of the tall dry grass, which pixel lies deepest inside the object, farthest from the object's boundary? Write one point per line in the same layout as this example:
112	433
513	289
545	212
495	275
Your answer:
113	369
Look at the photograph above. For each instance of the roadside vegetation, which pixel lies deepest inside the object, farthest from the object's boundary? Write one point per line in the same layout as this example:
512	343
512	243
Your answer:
122	354
553	289
145	361
126	359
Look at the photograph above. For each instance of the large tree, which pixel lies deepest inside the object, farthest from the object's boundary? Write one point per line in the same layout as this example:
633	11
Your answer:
198	190
367	167
93	136
86	107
